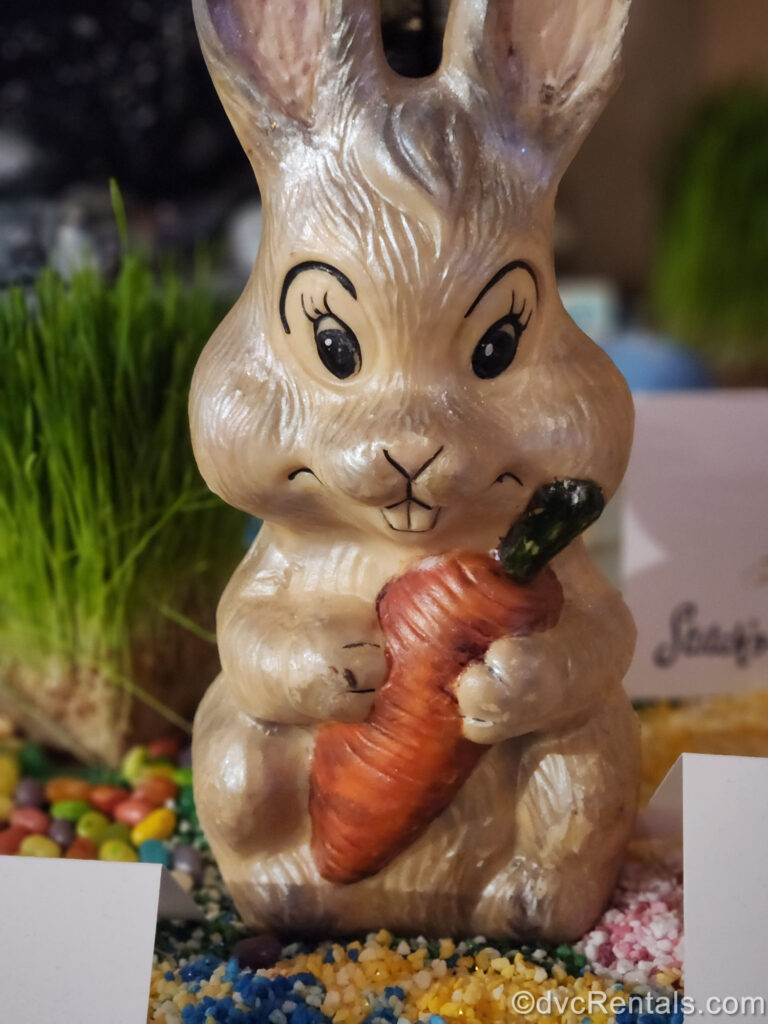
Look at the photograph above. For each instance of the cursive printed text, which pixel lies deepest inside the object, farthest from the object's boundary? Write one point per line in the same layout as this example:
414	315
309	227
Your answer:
745	642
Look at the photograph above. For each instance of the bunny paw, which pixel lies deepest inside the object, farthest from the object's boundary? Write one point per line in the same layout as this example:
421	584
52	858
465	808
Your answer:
500	697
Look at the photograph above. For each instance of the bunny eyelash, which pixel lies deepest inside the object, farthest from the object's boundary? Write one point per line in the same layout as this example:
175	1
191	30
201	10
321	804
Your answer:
318	314
518	315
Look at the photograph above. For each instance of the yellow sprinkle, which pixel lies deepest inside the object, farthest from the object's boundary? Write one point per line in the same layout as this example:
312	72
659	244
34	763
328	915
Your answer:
449	1010
417	957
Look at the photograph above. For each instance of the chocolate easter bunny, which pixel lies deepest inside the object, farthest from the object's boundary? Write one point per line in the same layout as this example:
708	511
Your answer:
395	382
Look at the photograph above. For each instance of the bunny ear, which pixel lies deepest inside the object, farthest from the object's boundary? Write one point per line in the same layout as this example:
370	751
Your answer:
546	67
279	64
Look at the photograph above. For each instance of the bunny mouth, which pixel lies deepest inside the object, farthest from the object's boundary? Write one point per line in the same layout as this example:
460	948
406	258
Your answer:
411	516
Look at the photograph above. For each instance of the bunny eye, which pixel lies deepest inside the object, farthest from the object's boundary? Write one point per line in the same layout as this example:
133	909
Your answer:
496	349
337	346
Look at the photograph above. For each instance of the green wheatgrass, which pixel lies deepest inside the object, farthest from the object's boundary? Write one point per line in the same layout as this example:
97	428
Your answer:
708	285
106	528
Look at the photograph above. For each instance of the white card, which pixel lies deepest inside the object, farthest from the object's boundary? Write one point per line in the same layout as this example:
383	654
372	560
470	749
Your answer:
722	802
76	938
695	543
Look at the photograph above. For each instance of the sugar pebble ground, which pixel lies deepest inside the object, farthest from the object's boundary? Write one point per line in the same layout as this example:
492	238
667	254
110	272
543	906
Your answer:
386	980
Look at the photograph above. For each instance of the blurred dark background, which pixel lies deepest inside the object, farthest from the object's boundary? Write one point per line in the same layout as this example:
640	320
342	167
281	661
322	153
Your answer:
90	90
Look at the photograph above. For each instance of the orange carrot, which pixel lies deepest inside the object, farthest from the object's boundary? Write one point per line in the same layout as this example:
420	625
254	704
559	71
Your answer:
375	786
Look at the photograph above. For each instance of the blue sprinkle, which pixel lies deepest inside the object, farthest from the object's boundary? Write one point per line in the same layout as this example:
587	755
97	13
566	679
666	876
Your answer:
169	975
277	988
233	970
329	957
201	969
394	990
308	1015
252	986
353	955
304	977
436	1019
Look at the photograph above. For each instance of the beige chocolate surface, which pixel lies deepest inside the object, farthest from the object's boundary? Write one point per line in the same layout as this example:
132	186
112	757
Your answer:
411	217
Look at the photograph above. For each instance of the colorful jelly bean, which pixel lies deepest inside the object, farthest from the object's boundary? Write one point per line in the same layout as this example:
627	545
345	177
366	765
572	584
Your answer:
32	819
153	851
61	831
6	806
92	825
11	838
117	830
159	769
33	761
106	798
156	791
72	810
258	951
39	846
29	793
64	788
67	816
82	849
183	776
9	774
132	811
117	850
157	825
164	748
133	763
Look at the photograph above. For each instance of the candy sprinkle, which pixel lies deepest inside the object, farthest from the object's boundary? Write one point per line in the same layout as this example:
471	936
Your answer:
378	981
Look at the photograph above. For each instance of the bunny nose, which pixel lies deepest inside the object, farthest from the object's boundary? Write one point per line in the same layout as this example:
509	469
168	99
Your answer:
410	459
